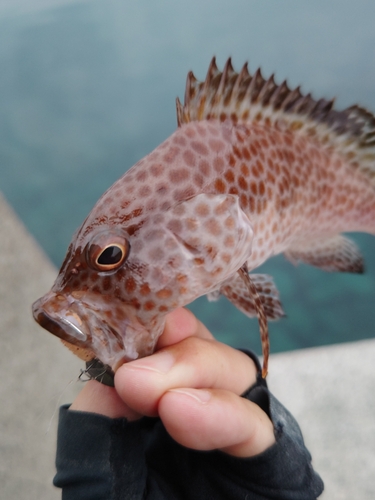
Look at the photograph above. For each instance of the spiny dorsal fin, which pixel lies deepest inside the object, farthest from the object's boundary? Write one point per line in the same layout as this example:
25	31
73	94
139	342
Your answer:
242	96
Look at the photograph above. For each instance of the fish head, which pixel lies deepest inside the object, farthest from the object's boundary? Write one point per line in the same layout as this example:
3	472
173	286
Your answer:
93	305
117	284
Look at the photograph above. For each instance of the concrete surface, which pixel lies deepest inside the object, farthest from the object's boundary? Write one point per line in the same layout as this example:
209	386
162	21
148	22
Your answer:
331	390
35	369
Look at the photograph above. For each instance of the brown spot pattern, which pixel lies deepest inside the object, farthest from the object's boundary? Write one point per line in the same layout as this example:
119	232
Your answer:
289	187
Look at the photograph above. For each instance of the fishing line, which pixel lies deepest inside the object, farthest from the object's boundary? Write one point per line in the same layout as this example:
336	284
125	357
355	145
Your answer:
58	396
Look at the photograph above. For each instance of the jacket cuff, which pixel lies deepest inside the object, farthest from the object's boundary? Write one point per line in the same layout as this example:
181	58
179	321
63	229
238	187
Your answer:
88	446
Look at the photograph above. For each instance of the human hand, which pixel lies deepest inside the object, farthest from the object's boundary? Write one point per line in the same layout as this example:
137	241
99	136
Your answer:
193	383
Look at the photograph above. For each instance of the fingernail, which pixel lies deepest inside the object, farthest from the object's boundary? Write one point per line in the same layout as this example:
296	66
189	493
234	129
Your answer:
198	394
160	362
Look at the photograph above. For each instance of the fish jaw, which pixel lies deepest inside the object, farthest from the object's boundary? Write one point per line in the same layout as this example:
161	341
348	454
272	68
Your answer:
89	323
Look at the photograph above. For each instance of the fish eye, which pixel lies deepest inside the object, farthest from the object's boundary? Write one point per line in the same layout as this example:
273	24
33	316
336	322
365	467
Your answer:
108	252
111	256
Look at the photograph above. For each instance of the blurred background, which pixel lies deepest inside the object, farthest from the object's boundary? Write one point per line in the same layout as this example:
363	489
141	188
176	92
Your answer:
87	88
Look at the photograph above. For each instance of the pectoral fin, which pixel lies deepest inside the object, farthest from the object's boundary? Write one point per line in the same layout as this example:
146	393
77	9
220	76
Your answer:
214	234
235	290
335	253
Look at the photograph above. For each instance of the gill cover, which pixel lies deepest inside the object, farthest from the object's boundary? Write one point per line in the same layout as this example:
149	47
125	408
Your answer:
189	249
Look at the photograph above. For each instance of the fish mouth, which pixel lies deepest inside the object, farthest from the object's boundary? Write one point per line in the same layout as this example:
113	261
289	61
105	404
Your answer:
89	323
65	324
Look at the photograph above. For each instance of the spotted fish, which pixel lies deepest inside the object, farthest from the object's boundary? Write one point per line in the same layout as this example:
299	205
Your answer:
254	169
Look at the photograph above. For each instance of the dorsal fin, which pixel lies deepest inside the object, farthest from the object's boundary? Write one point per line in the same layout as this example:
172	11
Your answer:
242	96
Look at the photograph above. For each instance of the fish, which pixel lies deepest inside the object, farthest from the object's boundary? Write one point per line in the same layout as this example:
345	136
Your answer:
254	169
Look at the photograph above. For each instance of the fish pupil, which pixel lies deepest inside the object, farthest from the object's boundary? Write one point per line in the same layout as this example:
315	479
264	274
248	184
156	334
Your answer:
111	255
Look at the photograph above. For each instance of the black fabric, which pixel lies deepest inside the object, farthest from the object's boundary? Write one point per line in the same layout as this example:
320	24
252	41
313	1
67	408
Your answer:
258	393
99	458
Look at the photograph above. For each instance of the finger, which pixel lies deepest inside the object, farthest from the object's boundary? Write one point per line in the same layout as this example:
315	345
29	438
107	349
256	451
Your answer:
180	324
99	398
204	419
193	362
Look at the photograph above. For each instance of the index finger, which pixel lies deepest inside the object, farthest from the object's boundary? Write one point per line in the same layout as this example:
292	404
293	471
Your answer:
181	324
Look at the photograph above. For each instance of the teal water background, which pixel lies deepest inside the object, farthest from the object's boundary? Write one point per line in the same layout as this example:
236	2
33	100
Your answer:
88	88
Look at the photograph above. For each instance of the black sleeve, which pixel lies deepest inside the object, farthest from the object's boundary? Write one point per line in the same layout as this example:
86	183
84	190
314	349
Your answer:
103	459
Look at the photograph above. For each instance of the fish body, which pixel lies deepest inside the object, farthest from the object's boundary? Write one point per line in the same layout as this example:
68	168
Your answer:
253	170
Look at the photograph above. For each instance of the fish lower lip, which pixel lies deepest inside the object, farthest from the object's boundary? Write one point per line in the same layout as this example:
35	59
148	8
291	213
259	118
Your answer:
74	329
66	328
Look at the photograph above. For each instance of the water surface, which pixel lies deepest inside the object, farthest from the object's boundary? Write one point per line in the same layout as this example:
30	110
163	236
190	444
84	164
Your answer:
88	88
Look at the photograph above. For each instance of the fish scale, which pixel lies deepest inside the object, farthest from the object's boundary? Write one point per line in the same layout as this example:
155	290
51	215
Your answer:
254	169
